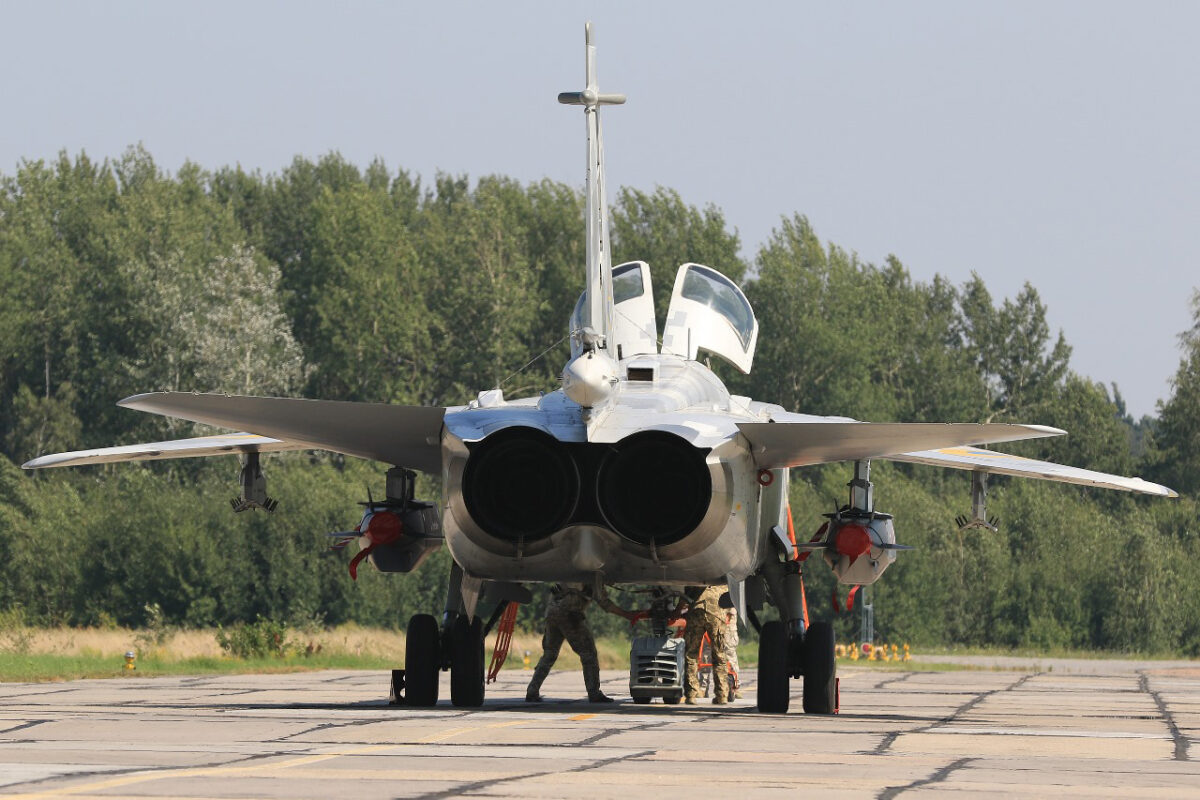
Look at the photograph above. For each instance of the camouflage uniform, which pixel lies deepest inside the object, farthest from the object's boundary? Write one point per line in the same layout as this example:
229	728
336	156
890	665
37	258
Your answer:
706	616
731	643
565	620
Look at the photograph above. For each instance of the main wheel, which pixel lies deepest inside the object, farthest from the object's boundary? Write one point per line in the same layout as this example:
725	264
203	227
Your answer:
422	650
673	699
773	694
466	668
820	670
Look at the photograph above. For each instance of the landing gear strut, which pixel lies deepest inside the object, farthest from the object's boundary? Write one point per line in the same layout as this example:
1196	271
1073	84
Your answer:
793	649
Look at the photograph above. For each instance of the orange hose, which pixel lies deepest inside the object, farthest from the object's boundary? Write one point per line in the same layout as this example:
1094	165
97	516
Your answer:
804	602
792	533
504	633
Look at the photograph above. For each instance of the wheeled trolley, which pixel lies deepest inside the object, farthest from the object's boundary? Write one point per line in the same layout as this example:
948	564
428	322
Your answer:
656	669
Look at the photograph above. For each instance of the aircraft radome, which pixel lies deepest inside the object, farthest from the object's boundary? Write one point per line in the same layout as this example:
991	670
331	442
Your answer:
641	469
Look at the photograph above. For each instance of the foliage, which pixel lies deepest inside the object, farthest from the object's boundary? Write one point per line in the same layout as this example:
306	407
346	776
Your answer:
263	638
156	632
1175	455
332	281
15	635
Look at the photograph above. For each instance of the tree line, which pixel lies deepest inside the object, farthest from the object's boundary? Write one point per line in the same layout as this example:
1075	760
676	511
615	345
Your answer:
327	280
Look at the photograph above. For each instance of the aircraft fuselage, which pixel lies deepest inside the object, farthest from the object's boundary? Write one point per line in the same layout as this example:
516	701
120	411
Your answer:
657	486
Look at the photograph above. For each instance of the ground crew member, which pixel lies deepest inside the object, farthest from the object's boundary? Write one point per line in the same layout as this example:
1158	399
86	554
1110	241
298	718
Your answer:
731	643
705	615
565	620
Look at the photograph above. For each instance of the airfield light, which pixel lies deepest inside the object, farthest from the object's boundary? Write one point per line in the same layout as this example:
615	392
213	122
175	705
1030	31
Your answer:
130	657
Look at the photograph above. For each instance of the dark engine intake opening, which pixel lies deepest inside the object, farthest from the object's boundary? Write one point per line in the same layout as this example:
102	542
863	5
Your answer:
520	483
654	486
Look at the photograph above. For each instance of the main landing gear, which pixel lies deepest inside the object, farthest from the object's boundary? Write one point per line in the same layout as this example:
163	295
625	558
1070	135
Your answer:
427	652
792	649
455	645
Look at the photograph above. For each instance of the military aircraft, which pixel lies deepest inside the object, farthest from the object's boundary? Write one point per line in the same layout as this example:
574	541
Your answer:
642	469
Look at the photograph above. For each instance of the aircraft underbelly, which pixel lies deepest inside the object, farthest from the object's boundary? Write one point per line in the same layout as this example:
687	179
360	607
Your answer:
579	552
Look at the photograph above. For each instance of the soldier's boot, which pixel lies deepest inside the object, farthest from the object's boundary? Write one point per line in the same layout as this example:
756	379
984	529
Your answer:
591	680
534	693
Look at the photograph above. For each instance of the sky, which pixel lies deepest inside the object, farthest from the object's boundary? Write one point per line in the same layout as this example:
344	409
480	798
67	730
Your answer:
1054	143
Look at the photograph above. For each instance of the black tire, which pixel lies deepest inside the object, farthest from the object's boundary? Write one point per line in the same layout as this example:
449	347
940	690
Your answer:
673	699
641	701
820	670
773	690
422	652
466	666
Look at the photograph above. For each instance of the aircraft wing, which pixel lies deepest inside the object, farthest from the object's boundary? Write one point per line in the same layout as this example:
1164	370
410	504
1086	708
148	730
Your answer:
407	436
798	444
974	458
223	444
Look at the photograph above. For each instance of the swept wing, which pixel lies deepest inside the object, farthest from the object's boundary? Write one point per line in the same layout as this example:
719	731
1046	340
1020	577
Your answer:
408	436
975	458
222	444
796	444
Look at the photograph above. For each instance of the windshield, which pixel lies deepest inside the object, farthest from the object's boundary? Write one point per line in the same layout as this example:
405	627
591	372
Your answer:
627	282
711	288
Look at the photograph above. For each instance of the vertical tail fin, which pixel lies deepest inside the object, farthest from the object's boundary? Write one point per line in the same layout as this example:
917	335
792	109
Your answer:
599	306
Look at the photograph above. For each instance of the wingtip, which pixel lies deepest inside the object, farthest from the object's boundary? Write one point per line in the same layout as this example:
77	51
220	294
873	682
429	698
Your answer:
1049	430
134	400
48	460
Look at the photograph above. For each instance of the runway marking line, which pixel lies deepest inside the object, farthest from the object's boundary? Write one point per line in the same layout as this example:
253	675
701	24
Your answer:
209	772
580	717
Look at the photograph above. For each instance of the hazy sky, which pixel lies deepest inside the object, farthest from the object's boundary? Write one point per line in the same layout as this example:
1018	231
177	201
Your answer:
1055	143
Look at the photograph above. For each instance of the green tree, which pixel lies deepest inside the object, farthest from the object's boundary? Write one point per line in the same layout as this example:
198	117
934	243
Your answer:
366	324
1012	349
1175	455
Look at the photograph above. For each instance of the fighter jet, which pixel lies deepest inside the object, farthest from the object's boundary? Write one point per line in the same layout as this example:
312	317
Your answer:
642	469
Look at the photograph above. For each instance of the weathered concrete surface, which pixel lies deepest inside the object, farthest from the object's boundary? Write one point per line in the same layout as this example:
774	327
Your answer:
1082	730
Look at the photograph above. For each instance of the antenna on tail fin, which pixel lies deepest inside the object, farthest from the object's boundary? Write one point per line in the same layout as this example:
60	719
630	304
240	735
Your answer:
599	307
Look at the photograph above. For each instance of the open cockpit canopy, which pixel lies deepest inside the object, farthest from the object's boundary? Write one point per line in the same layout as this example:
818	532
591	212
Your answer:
707	312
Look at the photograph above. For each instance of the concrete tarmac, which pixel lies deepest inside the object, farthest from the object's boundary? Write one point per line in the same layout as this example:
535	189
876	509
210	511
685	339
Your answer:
1072	729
